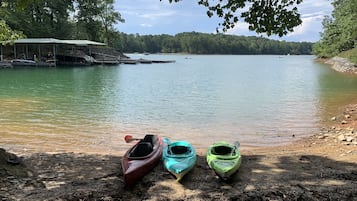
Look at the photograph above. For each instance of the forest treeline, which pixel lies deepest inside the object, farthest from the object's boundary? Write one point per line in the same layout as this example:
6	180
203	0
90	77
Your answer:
95	20
203	43
65	19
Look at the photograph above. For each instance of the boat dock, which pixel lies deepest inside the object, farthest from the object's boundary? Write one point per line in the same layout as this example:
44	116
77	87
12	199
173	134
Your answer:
50	52
144	61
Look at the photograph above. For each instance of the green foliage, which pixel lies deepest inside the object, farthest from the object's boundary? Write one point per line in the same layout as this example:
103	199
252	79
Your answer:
263	16
65	19
6	34
351	55
201	43
39	18
340	30
96	19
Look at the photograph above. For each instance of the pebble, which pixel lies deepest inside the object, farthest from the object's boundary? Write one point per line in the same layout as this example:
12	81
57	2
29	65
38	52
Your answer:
349	139
249	188
226	187
341	137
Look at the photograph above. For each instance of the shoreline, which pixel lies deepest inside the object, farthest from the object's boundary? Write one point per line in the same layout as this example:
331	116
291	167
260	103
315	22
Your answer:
319	167
322	166
339	64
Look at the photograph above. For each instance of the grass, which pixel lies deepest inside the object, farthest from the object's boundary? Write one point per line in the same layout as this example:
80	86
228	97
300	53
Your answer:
350	55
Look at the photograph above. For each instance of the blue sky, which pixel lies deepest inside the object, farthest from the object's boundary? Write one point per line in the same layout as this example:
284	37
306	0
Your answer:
154	17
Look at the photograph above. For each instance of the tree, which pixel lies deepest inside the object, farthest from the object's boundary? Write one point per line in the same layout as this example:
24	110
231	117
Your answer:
7	34
340	30
109	17
91	20
203	43
87	20
45	18
263	16
97	18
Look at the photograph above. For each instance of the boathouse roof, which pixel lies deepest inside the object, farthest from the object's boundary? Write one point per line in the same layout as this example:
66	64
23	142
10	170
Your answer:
56	41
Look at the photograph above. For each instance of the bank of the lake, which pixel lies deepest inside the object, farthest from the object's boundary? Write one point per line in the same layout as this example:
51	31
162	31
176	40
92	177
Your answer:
321	166
340	64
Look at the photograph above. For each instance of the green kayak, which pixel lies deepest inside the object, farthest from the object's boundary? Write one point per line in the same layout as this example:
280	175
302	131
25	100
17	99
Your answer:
224	158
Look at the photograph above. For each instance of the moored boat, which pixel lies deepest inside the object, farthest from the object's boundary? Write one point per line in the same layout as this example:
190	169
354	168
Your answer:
23	63
141	158
224	158
179	157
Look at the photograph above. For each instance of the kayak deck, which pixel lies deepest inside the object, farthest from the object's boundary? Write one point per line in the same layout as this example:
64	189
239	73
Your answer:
179	158
224	159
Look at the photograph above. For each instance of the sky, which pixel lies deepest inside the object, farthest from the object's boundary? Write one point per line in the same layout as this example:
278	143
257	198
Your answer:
156	17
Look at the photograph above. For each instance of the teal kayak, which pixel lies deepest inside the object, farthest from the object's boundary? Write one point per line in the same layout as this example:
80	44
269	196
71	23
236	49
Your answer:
224	158
179	157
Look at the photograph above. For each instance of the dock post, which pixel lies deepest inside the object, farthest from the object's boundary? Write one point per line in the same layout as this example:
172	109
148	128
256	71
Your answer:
54	54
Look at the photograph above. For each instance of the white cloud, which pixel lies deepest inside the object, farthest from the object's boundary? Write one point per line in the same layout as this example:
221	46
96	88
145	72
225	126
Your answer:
241	28
308	24
146	25
157	15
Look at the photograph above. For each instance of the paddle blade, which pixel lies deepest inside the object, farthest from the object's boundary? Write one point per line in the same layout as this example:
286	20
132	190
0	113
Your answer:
128	138
167	141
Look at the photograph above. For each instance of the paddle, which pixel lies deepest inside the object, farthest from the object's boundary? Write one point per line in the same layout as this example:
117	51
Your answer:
167	141
236	144
129	138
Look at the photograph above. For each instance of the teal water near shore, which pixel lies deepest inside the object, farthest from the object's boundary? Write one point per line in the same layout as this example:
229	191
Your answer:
258	100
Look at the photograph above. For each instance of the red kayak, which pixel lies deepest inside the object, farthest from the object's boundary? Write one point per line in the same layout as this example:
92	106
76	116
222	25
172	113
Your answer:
141	158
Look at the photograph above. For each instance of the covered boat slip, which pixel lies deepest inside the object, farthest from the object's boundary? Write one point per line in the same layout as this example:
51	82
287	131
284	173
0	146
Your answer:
51	52
54	52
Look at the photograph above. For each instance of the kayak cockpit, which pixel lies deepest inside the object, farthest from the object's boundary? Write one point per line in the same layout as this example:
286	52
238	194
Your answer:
221	150
179	150
141	149
145	147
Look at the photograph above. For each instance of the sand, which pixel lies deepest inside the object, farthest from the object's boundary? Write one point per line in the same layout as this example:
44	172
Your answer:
320	167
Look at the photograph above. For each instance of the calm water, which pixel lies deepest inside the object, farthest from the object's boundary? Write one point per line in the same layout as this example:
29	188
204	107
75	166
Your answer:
258	100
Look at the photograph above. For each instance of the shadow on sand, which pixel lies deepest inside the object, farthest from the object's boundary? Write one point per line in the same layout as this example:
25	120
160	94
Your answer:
69	176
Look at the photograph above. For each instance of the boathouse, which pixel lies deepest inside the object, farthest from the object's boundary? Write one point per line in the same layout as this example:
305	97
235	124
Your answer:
54	52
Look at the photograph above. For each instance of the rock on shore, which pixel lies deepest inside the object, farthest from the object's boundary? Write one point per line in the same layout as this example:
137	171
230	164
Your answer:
342	65
343	127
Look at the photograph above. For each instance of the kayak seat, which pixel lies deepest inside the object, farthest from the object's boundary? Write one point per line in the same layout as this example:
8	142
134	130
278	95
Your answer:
179	149
221	150
152	139
142	149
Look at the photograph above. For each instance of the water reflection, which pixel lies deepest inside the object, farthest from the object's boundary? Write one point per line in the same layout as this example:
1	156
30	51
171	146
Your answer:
336	91
259	100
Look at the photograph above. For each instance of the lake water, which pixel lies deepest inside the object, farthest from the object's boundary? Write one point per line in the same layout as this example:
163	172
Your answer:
258	100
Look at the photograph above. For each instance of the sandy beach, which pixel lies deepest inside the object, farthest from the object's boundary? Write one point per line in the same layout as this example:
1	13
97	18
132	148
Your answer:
320	167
